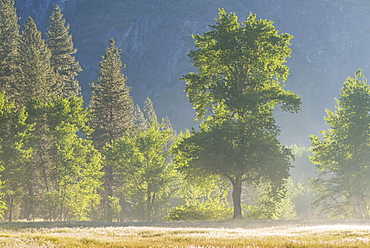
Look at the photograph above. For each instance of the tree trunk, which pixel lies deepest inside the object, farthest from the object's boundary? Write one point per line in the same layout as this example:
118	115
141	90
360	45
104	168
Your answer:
237	191
11	205
109	191
149	206
29	205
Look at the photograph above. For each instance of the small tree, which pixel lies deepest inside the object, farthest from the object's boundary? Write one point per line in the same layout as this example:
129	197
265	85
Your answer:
343	156
76	174
142	163
149	112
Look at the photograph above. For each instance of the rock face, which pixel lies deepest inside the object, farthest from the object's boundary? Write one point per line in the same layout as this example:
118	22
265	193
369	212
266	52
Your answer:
331	42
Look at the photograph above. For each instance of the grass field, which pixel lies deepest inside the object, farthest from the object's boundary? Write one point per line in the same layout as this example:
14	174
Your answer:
185	234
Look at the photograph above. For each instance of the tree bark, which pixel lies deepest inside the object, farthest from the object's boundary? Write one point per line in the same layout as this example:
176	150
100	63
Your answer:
149	206
109	191
237	191
28	203
11	205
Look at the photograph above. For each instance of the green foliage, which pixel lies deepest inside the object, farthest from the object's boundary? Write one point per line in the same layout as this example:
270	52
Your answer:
111	105
111	108
14	132
197	212
63	173
147	174
256	155
236	87
343	154
9	44
37	78
78	173
63	63
263	204
140	121
239	67
201	198
149	112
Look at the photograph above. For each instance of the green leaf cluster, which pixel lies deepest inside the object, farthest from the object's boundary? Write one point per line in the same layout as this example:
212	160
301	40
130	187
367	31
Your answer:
342	155
142	161
234	91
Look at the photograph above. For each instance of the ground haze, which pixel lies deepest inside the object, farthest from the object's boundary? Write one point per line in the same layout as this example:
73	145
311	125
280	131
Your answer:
186	234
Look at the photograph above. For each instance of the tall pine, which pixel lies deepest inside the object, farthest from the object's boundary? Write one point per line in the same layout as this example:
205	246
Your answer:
38	78
111	104
63	63
111	107
9	42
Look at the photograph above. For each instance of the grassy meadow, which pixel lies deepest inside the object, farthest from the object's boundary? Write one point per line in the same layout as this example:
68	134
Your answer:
185	234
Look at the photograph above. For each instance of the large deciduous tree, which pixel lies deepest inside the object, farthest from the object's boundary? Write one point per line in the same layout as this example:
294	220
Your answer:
238	83
343	154
111	108
63	174
63	63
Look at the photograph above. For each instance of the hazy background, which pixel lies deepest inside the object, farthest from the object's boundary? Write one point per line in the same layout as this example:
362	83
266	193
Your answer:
331	40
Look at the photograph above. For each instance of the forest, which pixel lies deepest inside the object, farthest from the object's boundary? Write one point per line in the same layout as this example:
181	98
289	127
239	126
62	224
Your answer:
111	160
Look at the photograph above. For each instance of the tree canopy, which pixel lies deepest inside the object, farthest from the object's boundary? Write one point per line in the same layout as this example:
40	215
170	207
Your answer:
343	154
237	85
9	47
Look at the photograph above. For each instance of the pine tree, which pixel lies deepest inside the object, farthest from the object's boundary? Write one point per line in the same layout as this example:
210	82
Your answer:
38	78
112	113
140	122
111	104
63	63
9	42
149	112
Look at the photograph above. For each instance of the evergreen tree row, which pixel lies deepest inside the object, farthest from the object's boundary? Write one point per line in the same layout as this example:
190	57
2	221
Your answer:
54	153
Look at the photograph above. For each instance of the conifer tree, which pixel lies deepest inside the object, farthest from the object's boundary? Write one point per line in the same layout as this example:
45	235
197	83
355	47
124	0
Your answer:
9	42
149	112
140	122
63	63
111	104
38	78
112	111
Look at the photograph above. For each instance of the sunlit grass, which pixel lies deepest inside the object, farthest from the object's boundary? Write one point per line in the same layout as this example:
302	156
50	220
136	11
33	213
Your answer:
273	234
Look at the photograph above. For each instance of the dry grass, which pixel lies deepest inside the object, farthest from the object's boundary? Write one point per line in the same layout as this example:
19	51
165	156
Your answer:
227	234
